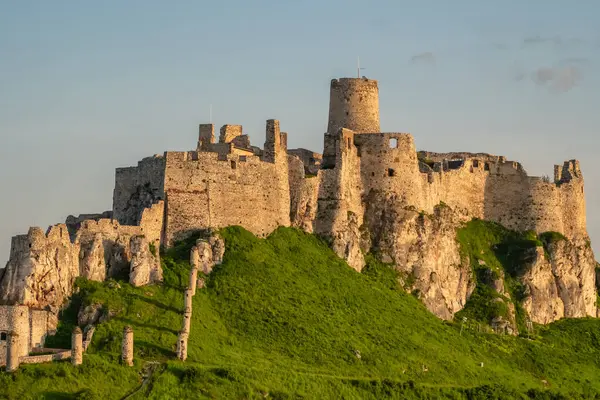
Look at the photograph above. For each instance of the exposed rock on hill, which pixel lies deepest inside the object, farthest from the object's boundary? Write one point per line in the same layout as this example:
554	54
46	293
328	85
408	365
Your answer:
425	249
560	282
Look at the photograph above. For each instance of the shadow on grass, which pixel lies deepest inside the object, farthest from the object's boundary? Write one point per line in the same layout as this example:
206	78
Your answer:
132	322
156	303
150	350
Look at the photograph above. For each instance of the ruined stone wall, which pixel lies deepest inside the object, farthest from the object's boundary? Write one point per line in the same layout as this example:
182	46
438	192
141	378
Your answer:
439	157
151	222
303	195
501	191
206	136
42	267
572	197
354	105
14	319
39	328
229	132
389	167
310	159
137	188
340	211
203	190
295	177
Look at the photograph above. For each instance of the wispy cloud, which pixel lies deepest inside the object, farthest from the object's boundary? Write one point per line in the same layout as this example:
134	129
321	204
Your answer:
535	40
560	79
557	41
423	58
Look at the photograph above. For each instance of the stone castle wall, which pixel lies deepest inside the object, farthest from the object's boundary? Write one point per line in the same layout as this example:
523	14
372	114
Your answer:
137	188
478	185
31	325
203	191
14	319
365	193
211	189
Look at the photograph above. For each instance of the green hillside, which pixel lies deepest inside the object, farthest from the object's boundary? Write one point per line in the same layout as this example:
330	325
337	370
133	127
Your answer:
285	318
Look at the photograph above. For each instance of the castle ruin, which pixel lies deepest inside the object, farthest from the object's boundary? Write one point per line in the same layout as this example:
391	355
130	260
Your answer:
365	192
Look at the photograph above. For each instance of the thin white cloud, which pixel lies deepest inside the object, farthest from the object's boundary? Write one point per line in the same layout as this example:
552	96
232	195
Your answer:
558	79
423	58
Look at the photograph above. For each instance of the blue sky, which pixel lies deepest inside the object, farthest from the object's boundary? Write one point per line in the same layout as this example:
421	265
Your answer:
89	86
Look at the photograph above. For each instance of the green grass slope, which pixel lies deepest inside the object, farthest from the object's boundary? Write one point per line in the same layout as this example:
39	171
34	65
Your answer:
285	318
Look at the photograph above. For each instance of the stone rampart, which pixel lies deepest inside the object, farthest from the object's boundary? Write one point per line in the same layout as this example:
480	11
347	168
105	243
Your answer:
204	191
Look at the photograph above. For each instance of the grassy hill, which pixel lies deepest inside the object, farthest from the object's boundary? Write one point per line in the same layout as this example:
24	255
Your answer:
285	318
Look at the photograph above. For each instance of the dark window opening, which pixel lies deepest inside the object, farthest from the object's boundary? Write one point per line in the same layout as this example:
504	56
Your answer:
3	336
486	166
372	173
349	143
475	163
233	165
242	158
391	172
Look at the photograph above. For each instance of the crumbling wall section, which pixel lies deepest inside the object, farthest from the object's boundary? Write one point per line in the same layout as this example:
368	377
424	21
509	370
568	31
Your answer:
205	190
303	195
138	188
339	207
14	319
229	132
491	188
389	167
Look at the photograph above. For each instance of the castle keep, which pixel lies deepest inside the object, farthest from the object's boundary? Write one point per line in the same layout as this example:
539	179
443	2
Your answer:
367	191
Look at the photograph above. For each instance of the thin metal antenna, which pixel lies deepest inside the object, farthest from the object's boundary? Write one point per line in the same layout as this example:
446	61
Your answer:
358	68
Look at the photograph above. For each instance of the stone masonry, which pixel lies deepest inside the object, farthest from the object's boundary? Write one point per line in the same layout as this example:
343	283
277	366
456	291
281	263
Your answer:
369	191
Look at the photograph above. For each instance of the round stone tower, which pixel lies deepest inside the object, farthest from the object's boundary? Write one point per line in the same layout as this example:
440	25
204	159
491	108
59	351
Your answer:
354	104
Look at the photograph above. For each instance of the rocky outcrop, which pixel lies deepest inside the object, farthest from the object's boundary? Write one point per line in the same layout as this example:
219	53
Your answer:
207	253
89	315
41	270
560	282
42	267
217	246
425	249
346	242
93	265
303	207
145	263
